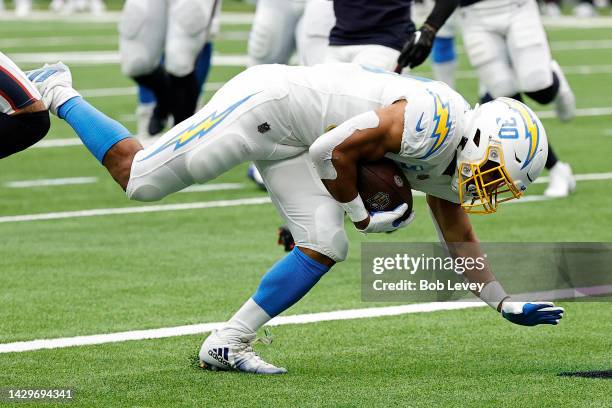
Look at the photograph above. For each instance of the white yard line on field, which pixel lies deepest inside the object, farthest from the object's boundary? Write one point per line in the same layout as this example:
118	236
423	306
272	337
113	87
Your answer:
89	180
336	315
39	42
135	210
580	177
242	35
230	203
110	17
104	57
51	182
113	17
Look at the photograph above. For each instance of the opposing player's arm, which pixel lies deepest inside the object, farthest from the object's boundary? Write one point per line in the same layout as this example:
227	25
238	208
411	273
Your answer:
420	43
366	137
461	240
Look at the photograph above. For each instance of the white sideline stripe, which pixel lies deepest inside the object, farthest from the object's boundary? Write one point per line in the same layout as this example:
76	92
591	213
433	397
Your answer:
51	182
350	314
71	141
134	210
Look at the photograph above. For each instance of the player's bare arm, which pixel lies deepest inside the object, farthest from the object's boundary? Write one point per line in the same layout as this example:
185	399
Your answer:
456	228
365	138
461	240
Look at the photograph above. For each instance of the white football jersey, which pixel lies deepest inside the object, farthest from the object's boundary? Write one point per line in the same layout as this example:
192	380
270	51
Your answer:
324	96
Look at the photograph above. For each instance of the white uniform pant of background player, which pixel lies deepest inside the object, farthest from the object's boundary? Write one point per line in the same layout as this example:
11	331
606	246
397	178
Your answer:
315	219
506	44
372	55
176	28
281	27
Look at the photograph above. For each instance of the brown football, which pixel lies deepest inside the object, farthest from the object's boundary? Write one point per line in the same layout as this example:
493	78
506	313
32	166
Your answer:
383	186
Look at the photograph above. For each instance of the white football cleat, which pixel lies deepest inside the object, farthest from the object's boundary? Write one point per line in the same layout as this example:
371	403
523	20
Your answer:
54	82
561	183
565	102
232	350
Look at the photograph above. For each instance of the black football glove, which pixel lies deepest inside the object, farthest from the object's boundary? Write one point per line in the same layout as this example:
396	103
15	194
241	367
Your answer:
417	48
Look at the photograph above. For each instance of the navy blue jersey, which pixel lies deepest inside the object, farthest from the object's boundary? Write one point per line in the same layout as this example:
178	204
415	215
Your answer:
381	22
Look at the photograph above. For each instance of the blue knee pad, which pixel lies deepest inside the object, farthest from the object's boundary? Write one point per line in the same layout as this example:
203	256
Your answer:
443	50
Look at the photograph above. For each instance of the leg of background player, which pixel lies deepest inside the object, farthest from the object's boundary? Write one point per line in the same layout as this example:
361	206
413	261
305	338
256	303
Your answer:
443	55
312	33
159	83
272	36
541	79
202	66
444	60
188	30
147	100
142	32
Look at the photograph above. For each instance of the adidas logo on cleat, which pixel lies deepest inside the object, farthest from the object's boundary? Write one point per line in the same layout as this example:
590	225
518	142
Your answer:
220	354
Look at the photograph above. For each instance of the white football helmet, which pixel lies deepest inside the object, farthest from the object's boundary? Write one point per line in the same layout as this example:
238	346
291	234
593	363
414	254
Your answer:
504	151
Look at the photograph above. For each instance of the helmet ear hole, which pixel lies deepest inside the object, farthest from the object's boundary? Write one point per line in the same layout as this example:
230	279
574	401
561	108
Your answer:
477	138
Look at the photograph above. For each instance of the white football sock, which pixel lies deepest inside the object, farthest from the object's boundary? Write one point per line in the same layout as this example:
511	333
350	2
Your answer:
445	72
249	318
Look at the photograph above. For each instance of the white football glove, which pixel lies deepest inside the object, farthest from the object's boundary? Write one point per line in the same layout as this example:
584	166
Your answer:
387	221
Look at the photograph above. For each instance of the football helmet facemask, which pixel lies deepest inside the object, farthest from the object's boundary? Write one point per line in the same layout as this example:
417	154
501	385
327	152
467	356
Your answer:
504	150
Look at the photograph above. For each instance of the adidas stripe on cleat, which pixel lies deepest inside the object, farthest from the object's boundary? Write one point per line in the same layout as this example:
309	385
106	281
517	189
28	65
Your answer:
229	350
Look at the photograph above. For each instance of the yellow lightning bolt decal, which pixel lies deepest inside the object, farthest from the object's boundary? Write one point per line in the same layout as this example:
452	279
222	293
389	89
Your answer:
532	131
443	125
197	130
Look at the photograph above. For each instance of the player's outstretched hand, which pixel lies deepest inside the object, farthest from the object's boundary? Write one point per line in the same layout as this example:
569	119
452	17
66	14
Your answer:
417	48
387	221
532	313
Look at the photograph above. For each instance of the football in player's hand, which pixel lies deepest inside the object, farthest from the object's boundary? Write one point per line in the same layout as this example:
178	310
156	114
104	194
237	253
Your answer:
383	186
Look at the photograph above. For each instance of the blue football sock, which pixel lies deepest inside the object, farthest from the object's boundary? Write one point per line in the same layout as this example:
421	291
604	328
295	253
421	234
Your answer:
287	281
443	50
145	95
202	65
97	131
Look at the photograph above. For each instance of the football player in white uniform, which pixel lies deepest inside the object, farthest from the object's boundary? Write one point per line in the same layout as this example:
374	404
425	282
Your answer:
277	115
507	45
176	29
282	27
